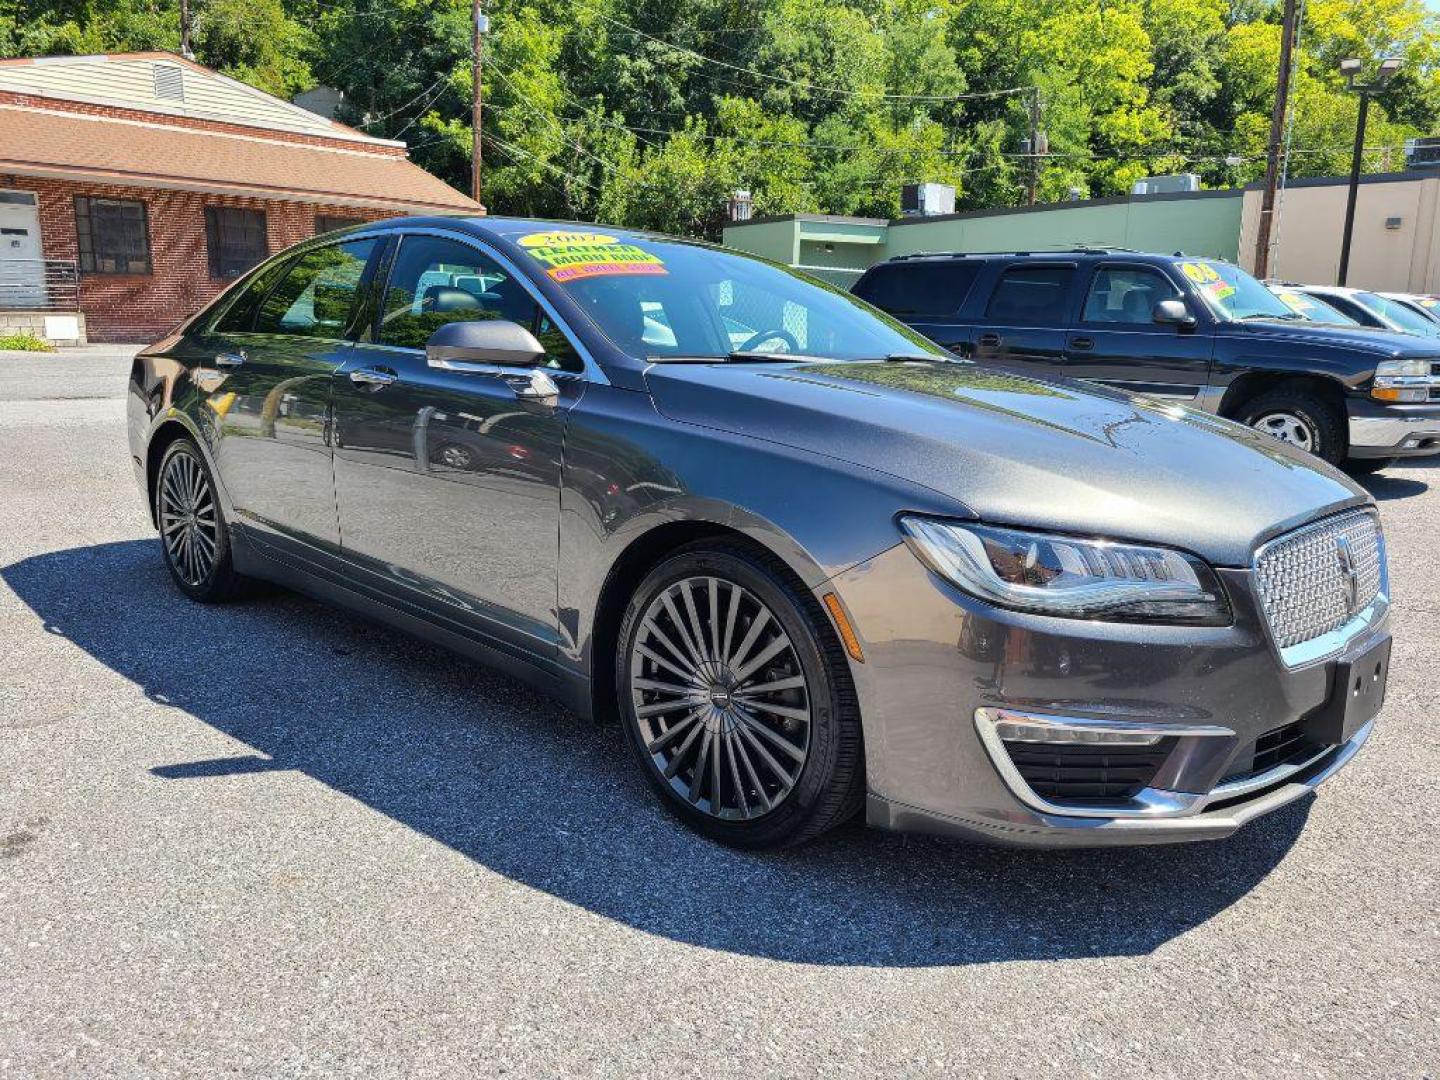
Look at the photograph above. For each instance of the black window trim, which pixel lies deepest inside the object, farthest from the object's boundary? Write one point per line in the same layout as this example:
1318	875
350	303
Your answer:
89	216
211	211
1097	268
1068	314
351	223
591	370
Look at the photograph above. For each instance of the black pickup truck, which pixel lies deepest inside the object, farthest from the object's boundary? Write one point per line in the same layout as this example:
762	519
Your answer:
1199	331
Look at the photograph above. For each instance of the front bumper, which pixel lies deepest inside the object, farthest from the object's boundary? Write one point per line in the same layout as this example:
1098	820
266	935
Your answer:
936	657
1384	431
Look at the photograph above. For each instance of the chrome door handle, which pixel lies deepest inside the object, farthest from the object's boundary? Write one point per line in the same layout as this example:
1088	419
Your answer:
230	359
373	378
1082	343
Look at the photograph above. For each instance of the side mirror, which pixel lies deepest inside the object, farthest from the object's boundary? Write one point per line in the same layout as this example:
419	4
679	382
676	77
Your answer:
481	346
1173	313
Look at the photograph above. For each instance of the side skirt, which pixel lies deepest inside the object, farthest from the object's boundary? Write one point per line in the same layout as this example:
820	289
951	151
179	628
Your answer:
567	687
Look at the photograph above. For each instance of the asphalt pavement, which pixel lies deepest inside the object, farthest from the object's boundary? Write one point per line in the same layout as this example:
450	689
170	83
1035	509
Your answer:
268	839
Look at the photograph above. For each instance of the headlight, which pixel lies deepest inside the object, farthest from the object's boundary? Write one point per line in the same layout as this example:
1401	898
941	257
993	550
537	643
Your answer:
1068	576
1403	380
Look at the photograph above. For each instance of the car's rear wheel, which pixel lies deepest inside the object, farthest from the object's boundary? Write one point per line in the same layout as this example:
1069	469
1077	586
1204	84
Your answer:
193	534
1300	418
737	700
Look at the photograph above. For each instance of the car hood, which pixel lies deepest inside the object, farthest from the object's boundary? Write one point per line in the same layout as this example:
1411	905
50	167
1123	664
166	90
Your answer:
1023	451
1369	339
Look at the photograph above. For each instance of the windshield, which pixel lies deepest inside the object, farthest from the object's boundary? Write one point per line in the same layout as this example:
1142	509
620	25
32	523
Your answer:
1419	305
1232	293
666	300
1313	308
1398	315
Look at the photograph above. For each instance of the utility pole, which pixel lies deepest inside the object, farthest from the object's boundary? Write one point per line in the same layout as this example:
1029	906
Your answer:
482	24
1034	146
185	30
1277	140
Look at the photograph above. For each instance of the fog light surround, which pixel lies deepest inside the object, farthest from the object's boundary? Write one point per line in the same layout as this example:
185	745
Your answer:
1020	731
1181	786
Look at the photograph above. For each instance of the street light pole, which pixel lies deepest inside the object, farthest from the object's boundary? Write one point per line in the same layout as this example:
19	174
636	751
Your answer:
1350	68
1356	160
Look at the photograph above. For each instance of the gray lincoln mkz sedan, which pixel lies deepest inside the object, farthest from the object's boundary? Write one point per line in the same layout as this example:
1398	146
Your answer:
809	560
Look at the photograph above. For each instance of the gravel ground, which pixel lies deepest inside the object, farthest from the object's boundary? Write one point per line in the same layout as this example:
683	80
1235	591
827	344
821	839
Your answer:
268	839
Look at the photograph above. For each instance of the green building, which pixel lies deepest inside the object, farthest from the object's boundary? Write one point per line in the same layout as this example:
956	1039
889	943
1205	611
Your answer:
839	248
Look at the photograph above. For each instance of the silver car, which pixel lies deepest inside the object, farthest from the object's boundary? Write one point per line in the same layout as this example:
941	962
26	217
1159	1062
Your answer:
810	564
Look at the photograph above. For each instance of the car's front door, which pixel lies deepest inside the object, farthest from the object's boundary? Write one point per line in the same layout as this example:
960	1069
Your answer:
1117	341
448	483
266	366
1025	319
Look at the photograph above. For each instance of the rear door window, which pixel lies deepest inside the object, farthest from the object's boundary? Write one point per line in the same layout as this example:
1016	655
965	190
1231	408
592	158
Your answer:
1031	294
919	289
316	298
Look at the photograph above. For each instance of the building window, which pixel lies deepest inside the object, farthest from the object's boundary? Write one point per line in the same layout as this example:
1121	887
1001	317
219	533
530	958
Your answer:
113	236
329	223
235	238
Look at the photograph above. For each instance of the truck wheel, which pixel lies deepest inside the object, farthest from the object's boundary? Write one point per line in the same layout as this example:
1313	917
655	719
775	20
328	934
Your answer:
1298	417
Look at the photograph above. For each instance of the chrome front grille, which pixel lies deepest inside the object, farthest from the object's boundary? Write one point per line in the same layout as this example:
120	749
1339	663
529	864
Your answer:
1316	579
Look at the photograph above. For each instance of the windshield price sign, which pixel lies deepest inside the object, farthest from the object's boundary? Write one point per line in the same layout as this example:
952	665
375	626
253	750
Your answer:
569	256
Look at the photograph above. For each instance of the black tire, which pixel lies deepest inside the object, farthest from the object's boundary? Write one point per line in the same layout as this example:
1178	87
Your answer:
829	786
216	582
1322	424
1367	466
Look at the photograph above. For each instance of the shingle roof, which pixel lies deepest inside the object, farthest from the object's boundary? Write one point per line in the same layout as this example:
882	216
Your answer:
43	142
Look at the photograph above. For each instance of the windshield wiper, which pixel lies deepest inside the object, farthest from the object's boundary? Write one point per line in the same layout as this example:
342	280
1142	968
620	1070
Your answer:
1289	316
734	357
750	356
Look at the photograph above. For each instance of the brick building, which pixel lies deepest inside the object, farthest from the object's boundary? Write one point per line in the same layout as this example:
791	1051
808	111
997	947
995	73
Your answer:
135	187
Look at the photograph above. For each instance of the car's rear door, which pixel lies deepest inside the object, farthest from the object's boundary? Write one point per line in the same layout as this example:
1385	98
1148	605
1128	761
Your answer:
1026	316
1116	340
448	484
267	365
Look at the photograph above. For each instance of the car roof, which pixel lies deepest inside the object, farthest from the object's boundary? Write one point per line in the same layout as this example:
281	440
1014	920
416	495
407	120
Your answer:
511	228
1080	250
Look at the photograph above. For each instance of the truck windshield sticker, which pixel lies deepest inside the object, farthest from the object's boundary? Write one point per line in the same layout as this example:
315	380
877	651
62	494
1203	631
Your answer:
569	256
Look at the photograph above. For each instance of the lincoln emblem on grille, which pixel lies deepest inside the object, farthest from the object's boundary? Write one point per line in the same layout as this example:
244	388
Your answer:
1348	571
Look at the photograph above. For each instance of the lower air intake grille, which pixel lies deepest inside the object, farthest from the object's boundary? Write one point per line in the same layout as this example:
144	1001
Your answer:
1277	747
1063	773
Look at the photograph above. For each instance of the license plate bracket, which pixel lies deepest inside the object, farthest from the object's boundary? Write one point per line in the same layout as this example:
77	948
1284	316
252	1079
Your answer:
1357	693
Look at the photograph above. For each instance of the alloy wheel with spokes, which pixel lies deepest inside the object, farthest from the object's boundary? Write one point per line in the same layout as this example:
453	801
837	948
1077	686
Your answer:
194	534
187	518
720	697
737	697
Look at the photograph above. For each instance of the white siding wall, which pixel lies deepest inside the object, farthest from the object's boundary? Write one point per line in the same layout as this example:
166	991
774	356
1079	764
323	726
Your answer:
131	83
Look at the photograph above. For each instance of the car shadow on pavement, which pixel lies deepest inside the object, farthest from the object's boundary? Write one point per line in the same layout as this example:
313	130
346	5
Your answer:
483	765
1385	488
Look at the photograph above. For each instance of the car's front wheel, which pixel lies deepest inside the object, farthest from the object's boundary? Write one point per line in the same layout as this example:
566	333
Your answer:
193	534
1298	417
736	699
